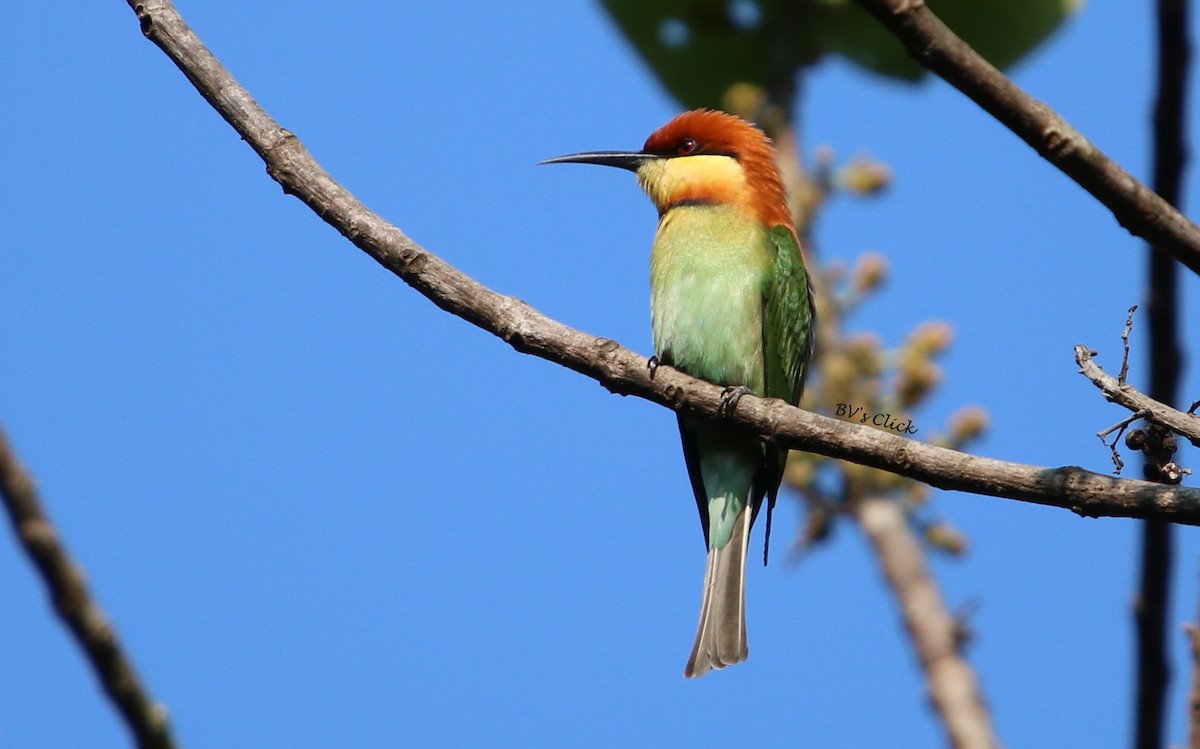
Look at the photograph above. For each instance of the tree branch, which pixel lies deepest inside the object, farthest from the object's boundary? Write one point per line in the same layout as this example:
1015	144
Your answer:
1135	206
1184	424
953	689
1153	603
64	581
619	369
1192	631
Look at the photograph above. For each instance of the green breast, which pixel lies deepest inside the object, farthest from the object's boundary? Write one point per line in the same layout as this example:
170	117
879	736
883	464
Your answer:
707	274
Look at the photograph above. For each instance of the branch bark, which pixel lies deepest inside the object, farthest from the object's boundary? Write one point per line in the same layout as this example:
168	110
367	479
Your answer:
64	581
1184	424
619	369
1136	207
953	688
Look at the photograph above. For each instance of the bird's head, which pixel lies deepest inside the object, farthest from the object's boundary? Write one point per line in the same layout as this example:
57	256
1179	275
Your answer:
703	157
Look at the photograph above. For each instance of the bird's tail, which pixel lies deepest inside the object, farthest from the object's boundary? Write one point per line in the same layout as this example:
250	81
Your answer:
721	637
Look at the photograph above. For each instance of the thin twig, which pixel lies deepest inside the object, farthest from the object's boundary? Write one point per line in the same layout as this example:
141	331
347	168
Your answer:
1120	425
935	633
1125	342
1119	428
145	718
619	369
1186	425
1135	206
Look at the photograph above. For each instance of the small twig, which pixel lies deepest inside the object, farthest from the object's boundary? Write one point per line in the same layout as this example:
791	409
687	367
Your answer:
64	581
1121	426
1186	425
964	630
1125	342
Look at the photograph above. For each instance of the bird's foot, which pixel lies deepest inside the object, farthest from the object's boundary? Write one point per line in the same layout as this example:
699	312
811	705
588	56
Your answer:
652	365
730	397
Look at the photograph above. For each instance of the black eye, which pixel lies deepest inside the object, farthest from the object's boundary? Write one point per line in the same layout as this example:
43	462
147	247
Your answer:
687	147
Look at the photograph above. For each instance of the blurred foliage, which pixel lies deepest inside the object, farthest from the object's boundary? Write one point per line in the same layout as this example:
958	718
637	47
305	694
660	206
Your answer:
698	49
861	381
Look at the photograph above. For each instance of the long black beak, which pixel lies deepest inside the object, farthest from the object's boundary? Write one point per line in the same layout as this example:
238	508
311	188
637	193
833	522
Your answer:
620	159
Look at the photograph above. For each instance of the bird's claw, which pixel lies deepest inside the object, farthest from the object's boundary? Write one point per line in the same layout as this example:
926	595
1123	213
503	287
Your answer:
652	365
730	397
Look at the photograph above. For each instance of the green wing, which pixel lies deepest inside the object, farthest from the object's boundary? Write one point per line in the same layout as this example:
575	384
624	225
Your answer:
789	319
789	332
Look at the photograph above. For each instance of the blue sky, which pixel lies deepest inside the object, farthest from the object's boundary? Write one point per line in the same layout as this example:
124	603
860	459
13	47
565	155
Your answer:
323	512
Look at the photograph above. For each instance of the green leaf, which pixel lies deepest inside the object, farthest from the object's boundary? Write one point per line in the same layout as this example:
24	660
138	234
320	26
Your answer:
699	49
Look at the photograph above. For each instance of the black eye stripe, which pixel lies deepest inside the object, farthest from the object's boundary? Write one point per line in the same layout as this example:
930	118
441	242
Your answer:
693	147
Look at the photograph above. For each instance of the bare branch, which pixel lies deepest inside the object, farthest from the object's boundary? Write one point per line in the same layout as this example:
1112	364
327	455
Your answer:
1184	424
1153	602
619	369
953	689
64	581
1135	206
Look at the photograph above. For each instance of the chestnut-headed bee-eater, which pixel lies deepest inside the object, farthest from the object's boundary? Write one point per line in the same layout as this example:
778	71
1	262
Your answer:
731	303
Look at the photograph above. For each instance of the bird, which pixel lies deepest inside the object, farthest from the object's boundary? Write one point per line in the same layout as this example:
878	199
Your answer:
731	303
